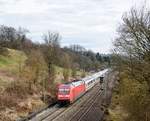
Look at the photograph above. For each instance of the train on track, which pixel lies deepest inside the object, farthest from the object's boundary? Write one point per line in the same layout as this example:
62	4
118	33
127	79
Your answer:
71	91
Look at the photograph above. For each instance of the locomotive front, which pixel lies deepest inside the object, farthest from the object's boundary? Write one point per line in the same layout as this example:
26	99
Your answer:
64	93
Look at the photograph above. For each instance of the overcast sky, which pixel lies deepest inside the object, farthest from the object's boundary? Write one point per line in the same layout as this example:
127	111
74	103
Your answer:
90	23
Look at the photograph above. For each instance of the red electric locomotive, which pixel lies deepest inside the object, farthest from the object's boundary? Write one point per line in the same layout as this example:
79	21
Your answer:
71	91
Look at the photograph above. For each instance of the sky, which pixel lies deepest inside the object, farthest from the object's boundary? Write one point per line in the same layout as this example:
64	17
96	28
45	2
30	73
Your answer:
90	23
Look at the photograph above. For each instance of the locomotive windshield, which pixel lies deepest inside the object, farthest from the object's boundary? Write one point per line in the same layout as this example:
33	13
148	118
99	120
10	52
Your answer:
64	91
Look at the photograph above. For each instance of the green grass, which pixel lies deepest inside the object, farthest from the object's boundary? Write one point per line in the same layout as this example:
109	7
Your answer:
5	61
12	61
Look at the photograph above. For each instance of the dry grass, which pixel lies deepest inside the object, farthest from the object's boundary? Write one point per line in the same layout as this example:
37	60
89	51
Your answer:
13	94
17	101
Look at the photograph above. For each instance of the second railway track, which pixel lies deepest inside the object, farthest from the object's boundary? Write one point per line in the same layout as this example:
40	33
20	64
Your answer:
83	110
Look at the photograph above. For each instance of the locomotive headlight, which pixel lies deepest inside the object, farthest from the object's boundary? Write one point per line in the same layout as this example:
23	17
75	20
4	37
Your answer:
67	95
61	96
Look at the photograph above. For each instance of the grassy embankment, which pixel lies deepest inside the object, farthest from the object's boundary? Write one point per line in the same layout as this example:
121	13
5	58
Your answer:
11	64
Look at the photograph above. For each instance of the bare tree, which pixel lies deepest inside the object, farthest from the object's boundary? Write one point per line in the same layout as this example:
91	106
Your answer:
51	51
12	38
134	41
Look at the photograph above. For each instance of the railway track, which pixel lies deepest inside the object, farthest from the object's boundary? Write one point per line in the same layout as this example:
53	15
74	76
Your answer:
90	112
78	115
56	113
78	108
41	116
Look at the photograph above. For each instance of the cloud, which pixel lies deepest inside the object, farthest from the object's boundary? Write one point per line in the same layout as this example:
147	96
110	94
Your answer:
91	23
